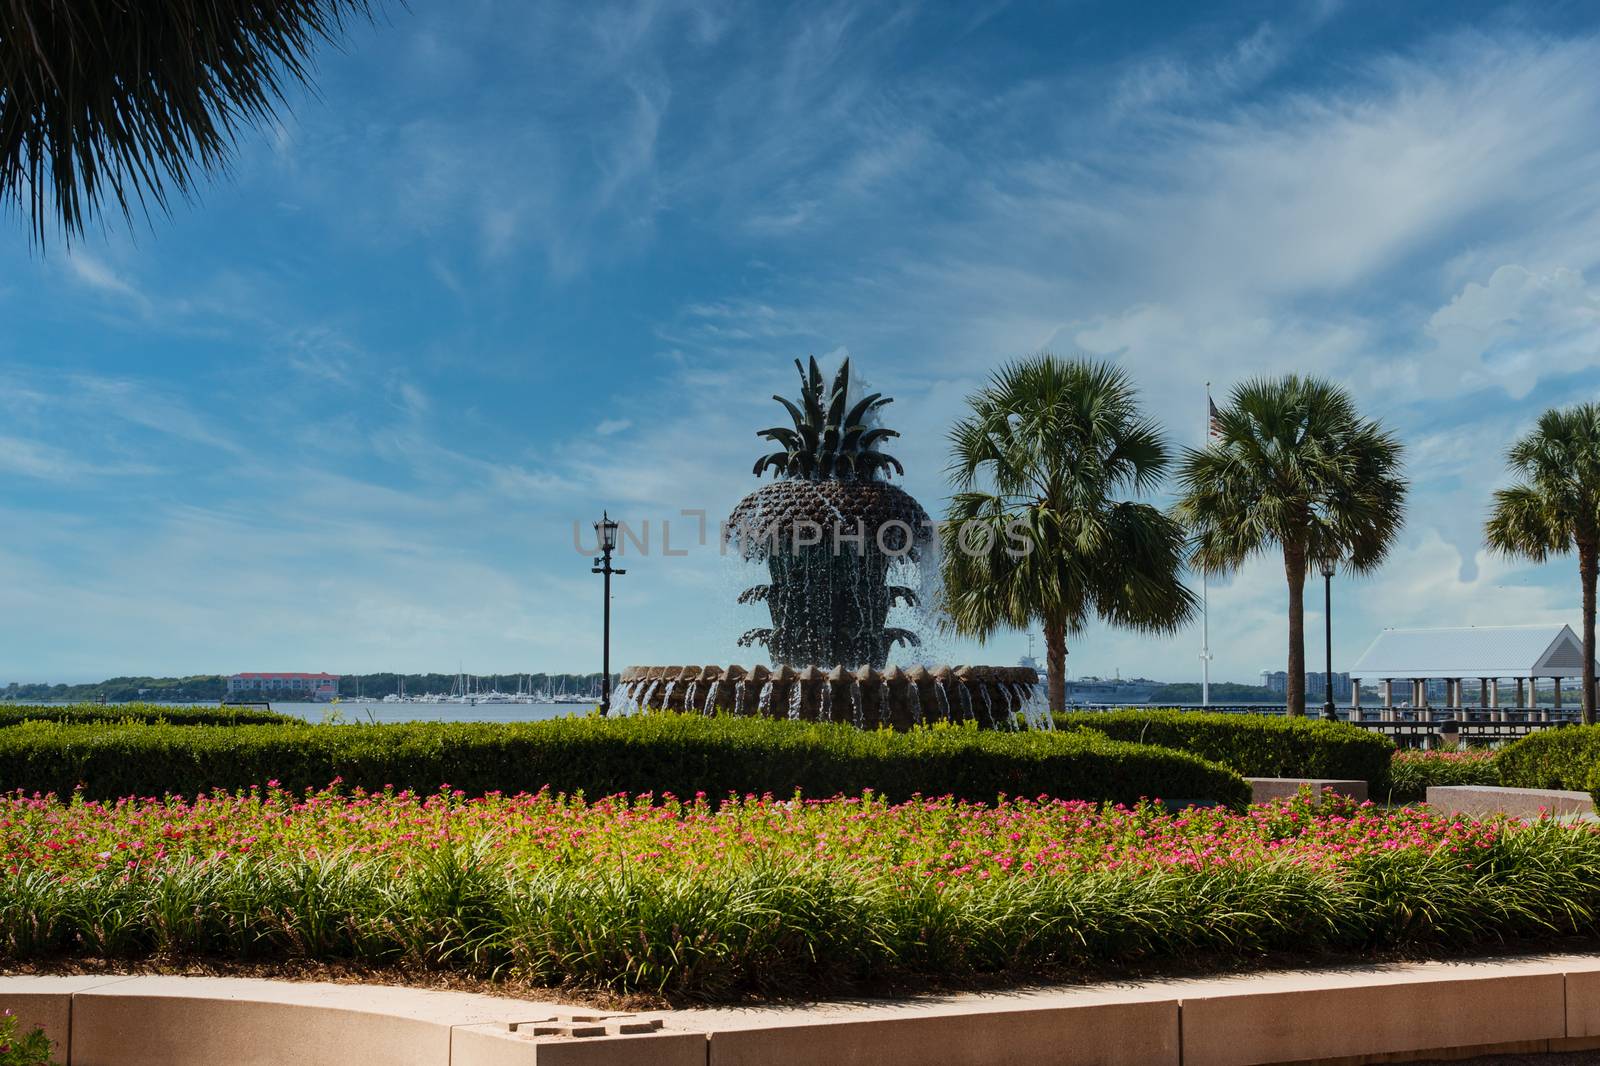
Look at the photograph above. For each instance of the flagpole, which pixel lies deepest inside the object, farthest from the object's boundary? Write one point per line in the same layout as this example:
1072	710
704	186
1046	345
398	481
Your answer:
1205	599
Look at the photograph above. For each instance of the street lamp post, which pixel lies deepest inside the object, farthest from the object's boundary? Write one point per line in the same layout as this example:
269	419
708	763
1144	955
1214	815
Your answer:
1328	711
606	530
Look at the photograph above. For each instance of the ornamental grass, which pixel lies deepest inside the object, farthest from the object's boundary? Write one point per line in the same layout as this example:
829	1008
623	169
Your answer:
697	899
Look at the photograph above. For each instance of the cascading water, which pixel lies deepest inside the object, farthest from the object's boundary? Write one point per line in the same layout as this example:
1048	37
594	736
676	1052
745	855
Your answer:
1003	695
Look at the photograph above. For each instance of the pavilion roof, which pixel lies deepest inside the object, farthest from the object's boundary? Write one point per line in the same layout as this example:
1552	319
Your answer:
1473	651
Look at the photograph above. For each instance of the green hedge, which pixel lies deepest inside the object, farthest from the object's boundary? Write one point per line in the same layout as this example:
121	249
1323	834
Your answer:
16	713
1563	757
683	754
1253	745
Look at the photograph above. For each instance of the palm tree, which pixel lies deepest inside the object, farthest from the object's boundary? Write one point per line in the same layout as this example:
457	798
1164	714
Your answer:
1555	508
105	99
1038	531
1291	463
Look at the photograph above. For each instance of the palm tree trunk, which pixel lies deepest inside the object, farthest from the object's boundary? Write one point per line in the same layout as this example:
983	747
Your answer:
1055	660
1294	565
1588	564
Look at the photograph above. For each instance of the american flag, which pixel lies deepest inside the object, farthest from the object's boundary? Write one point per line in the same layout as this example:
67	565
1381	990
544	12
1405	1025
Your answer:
1213	423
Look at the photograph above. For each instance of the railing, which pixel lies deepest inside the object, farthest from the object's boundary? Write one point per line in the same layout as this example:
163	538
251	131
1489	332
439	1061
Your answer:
1412	726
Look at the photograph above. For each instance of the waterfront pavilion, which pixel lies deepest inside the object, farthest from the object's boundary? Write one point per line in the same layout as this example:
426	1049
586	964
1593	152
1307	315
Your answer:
1485	654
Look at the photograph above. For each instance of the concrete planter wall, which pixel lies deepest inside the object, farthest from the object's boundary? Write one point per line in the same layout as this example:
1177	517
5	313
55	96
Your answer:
1415	1011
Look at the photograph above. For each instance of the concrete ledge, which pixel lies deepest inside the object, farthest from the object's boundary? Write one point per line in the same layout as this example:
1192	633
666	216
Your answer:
1398	1013
1480	801
1121	1031
1267	789
171	1021
46	1003
1344	1016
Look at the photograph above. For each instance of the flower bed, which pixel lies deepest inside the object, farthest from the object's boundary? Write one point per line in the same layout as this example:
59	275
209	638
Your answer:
29	1048
1411	772
756	894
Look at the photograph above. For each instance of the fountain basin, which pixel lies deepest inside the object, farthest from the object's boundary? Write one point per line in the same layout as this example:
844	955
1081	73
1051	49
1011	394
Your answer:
995	697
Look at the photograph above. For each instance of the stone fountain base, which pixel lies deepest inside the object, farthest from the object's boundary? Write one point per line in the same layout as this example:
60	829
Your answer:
995	697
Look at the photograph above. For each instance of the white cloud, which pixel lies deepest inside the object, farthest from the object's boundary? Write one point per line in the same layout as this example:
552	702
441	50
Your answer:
97	275
1518	327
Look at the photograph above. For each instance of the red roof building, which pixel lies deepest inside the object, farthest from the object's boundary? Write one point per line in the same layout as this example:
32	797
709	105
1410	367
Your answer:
306	687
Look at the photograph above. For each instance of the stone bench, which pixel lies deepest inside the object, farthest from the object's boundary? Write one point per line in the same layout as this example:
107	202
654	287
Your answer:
1479	801
1268	789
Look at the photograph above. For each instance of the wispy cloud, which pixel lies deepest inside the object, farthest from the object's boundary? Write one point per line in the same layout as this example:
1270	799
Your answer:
97	275
35	460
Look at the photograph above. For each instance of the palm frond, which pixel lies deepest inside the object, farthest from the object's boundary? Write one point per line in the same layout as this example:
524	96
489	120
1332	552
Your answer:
121	102
1293	466
1039	461
1556	504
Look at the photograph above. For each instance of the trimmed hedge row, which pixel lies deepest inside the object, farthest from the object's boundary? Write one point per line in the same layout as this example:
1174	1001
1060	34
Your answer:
16	713
1252	745
683	754
1564	757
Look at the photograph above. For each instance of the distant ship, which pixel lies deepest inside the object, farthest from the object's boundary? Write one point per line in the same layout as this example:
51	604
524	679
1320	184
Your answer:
1092	690
1095	690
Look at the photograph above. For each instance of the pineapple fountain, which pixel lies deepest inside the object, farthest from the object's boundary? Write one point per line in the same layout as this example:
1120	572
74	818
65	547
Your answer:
839	544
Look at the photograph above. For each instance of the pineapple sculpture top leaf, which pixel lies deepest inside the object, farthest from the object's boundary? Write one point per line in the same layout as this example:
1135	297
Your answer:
831	439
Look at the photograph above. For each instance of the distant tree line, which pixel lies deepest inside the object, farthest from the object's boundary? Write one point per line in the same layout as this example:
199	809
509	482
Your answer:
202	688
1221	692
198	688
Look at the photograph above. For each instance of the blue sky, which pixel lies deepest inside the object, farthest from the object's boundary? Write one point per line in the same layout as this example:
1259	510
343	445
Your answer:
516	262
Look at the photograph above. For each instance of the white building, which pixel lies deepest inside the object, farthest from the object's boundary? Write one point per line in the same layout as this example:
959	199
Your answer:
1457	656
304	688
